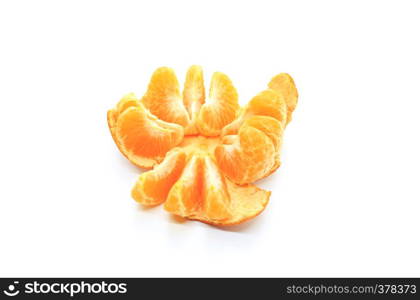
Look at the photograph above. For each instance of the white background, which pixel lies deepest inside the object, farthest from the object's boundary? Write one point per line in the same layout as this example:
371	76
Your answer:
345	202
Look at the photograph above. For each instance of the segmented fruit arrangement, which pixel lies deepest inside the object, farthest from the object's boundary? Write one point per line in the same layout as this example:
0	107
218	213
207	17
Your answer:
204	153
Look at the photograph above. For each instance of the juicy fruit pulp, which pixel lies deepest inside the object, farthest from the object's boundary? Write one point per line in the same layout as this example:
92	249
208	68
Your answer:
204	153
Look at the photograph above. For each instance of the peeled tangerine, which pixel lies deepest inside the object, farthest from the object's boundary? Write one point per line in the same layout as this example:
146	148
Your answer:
204	153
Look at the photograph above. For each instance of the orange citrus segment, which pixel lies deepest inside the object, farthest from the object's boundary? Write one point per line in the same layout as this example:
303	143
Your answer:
193	95
202	193
184	198
220	108
274	130
283	83
163	97
125	102
267	103
270	126
216	200
143	138
247	157
153	186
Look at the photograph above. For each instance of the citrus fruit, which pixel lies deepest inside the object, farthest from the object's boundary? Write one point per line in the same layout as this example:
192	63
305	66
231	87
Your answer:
203	153
193	96
220	108
283	83
163	97
267	103
253	153
142	137
202	193
153	186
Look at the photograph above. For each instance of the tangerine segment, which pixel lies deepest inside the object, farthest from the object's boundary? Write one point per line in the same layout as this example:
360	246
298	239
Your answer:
143	138
185	195
270	126
163	97
220	108
202	193
152	187
274	130
284	84
193	95
216	200
267	103
125	102
246	157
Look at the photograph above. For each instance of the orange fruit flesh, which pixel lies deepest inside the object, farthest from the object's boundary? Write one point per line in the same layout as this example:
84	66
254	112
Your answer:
246	157
283	83
163	97
193	96
126	102
221	107
140	136
204	153
152	187
267	103
202	193
274	130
